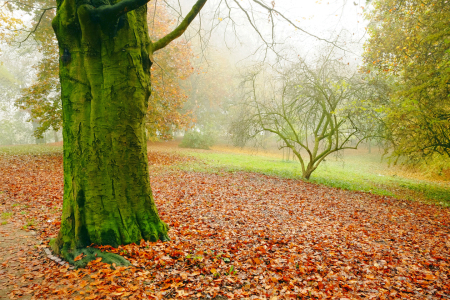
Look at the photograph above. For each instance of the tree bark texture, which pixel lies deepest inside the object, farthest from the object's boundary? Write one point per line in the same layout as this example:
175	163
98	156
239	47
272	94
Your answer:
105	86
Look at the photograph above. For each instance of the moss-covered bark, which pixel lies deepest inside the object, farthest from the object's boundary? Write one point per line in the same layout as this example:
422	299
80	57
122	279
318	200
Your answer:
105	85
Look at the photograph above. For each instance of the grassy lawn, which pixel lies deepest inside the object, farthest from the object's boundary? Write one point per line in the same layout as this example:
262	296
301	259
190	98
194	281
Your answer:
357	172
360	172
30	149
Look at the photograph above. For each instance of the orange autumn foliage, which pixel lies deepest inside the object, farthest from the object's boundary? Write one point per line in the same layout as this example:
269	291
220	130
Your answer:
170	66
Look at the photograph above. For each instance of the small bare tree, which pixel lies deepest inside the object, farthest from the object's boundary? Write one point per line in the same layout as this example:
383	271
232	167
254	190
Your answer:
316	109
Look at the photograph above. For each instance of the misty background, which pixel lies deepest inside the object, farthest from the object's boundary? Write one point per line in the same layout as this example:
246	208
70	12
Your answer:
226	40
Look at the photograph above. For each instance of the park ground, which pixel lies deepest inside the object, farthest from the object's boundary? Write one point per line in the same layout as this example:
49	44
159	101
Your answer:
243	226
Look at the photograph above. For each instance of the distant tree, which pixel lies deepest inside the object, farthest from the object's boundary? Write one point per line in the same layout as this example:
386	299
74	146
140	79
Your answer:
14	129
408	48
197	140
315	109
208	97
15	72
42	99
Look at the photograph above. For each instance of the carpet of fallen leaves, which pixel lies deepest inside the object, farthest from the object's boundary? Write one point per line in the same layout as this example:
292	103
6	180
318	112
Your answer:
239	236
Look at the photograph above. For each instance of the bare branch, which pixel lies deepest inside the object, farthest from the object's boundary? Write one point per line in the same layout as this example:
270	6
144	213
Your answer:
44	10
30	6
271	9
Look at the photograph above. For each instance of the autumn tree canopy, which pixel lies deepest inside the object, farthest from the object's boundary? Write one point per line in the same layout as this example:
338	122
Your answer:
408	48
9	24
171	66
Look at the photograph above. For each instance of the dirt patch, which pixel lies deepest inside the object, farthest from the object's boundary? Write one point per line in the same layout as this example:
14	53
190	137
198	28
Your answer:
167	158
56	144
163	145
18	260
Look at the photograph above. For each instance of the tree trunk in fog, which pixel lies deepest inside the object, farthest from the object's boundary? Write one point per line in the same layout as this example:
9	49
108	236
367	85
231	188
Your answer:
41	140
105	86
55	135
308	171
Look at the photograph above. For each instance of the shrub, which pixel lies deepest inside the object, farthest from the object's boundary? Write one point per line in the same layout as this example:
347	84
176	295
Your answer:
197	140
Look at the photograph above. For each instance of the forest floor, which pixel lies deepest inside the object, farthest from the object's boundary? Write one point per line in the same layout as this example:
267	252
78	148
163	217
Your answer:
235	234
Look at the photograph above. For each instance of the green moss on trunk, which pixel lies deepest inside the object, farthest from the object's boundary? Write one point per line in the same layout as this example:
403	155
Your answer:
105	85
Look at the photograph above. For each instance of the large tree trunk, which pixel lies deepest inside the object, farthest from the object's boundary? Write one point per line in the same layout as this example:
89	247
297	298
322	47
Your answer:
105	85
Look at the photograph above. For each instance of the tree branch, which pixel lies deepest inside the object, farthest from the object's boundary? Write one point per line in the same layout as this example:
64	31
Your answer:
271	9
181	28
118	9
44	10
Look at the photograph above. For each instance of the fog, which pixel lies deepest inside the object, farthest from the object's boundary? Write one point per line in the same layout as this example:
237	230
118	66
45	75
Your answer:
227	39
317	22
